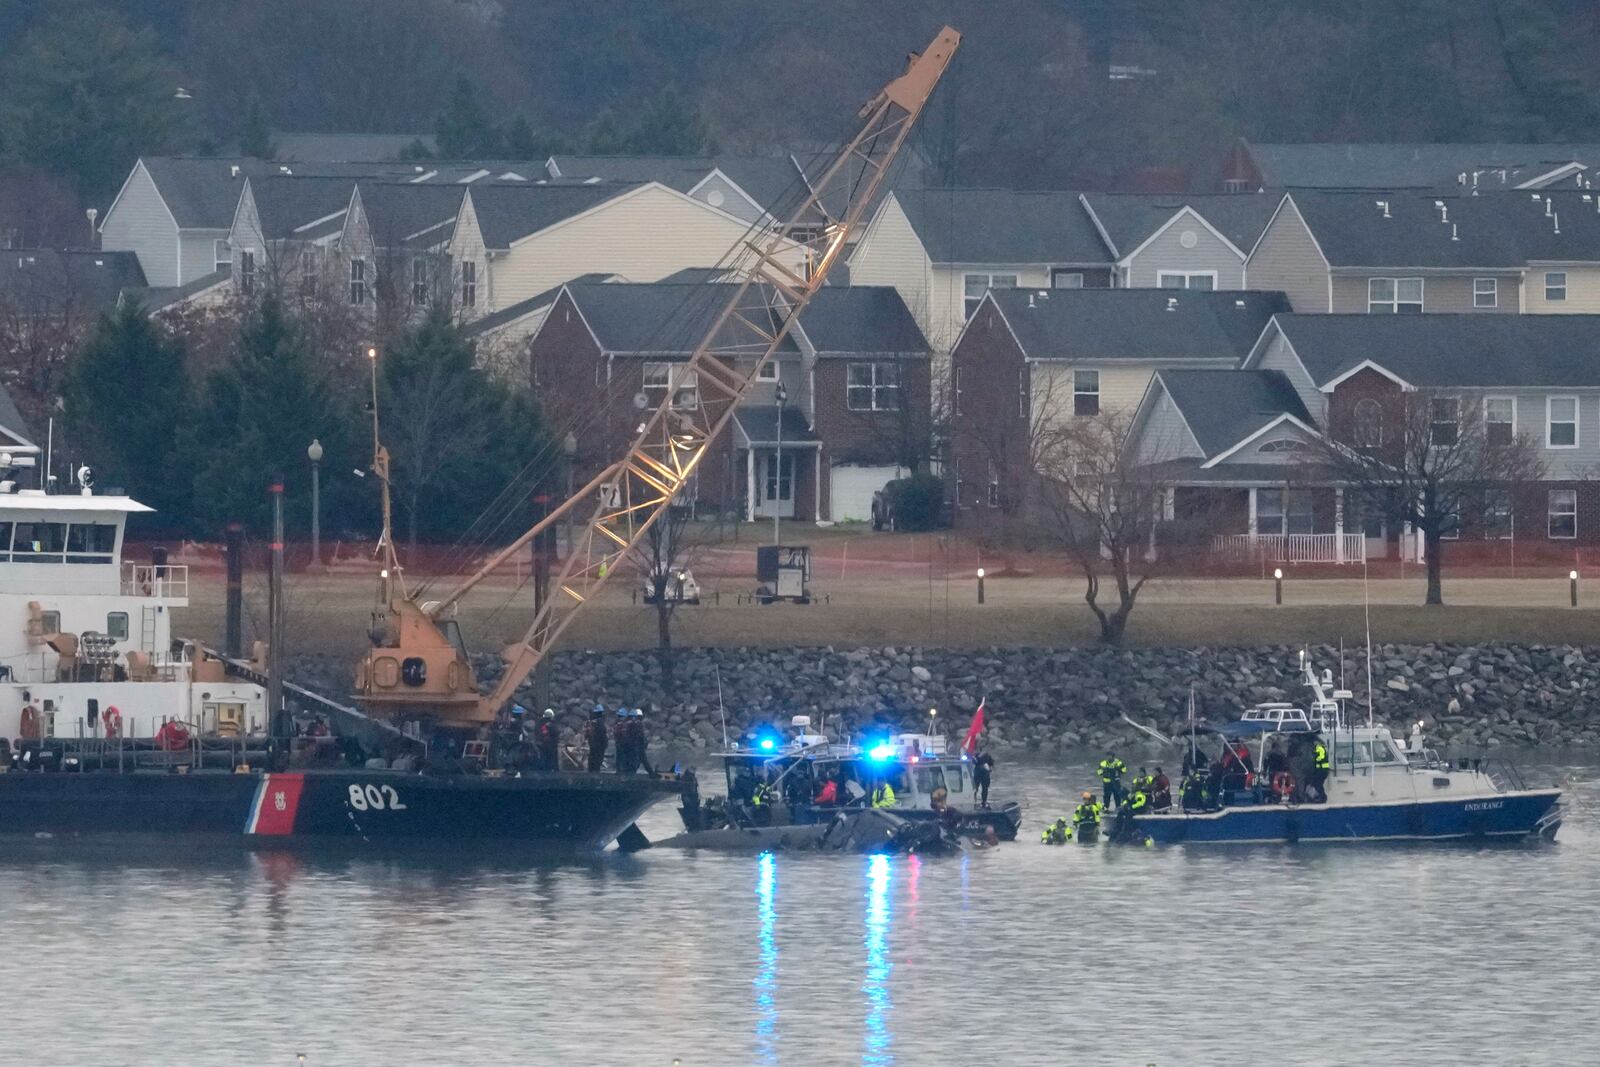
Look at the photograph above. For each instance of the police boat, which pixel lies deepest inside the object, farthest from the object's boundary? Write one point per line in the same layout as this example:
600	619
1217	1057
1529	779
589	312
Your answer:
1282	773
776	780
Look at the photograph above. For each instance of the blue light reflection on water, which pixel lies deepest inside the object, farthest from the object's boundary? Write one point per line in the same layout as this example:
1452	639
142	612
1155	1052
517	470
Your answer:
878	1036
766	981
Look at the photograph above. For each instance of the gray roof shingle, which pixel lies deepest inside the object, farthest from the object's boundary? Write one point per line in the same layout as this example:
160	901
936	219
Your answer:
1002	226
508	212
406	214
862	320
1452	350
1223	407
1393	166
1137	324
300	208
47	279
1130	219
774	182
512	312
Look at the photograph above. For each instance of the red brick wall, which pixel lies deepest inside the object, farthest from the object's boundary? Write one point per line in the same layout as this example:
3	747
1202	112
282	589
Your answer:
987	423
878	438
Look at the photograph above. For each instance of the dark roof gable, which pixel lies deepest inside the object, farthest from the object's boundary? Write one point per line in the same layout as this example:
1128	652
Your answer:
1224	407
1002	226
1136	324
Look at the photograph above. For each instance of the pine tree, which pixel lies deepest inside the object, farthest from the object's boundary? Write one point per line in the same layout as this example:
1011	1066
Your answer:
462	130
128	408
255	139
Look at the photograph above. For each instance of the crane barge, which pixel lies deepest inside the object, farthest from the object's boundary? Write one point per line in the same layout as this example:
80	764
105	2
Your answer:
226	770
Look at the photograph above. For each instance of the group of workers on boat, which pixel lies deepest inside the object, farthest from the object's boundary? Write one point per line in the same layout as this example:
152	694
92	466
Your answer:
1293	769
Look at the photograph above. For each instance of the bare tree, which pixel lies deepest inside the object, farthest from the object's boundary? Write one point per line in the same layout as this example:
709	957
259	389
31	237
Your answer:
1428	458
667	557
1106	503
1019	451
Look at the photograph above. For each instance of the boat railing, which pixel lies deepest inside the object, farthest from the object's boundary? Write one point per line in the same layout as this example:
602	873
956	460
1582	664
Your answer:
1504	774
155	579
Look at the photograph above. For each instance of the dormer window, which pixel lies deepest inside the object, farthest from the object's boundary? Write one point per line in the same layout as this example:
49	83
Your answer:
1286	445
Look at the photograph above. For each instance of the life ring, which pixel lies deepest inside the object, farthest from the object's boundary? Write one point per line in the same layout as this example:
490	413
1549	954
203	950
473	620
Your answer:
1283	784
29	726
111	721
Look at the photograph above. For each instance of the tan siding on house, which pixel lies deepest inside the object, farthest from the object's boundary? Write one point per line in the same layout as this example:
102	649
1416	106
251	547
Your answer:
466	246
1583	292
140	223
1452	292
1167	253
1121	388
1286	258
890	254
643	237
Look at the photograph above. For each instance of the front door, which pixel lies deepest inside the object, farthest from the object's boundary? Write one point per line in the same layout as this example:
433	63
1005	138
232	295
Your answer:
1372	527
775	484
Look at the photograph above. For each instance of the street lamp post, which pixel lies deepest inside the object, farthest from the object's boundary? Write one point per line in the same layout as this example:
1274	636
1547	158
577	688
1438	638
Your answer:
777	467
314	453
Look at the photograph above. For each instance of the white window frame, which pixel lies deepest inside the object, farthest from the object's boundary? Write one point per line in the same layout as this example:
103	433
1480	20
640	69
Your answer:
1555	292
358	282
1066	279
1551	514
247	271
1392	304
955	388
1454	422
1479	292
1487	422
882	387
993	498
469	283
1077	392
1489	511
1023	406
683	383
768	371
308	272
1549	420
969	304
221	253
420	291
1187	277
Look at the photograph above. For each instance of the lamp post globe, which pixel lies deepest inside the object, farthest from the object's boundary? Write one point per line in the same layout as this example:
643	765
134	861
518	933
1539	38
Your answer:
314	454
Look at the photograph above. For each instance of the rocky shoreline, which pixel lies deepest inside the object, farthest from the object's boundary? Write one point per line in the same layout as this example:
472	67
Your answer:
1054	701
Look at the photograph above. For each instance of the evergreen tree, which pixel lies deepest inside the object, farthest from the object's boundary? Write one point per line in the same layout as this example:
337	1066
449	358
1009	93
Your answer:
668	126
262	409
520	141
463	130
255	139
83	94
129	408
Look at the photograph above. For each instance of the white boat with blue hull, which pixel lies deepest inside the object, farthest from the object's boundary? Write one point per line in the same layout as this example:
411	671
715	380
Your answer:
1376	789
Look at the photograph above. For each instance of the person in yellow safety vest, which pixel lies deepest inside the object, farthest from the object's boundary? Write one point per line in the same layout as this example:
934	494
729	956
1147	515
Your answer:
1319	771
1142	781
1087	813
1111	771
1138	803
1056	833
883	795
761	804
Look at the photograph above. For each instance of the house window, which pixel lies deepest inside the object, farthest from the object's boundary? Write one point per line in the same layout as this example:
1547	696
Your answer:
1284	511
358	281
469	284
308	273
994	485
780	477
1444	421
677	377
117	625
221	254
1500	419
1561	422
768	371
247	272
956	388
1086	392
978	284
1066	279
1022	393
1498	524
872	387
1555	285
1485	292
1286	445
1562	521
1174	279
1367	430
419	282
1401	296
1235	185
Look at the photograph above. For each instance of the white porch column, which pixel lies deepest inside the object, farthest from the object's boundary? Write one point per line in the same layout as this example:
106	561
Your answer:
1338	525
816	491
1253	530
1169	504
750	484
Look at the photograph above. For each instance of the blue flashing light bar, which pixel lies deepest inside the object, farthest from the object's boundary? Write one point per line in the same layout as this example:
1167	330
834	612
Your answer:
768	744
881	753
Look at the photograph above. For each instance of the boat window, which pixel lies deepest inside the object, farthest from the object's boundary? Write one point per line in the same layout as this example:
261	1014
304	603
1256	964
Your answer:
928	779
91	542
5	542
955	779
50	621
39	542
1352	753
1383	752
117	624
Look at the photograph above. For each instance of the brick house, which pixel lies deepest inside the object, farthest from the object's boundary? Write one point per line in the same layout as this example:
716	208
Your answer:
853	375
1032	359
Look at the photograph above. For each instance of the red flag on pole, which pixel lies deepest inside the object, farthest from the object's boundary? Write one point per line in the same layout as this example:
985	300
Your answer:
971	743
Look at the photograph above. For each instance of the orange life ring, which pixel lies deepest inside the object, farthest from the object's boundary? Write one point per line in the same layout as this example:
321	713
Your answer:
1283	784
29	727
111	721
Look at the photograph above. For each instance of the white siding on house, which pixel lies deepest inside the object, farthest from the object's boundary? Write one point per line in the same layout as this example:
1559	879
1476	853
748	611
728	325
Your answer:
139	222
642	236
199	253
720	194
1252	453
1164	435
466	246
1286	258
890	254
1279	356
1561	463
1167	252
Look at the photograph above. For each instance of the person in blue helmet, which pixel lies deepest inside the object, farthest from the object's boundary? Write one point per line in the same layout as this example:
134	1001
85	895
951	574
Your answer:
594	734
627	750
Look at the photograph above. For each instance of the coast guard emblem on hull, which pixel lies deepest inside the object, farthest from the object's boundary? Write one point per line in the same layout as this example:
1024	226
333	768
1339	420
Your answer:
278	801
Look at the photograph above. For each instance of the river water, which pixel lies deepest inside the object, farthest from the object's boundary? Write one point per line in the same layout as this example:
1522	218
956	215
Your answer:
1021	955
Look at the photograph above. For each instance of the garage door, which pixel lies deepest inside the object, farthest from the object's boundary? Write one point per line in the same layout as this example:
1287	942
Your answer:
852	490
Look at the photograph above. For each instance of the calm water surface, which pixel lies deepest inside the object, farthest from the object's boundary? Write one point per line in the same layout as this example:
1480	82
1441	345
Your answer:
1024	955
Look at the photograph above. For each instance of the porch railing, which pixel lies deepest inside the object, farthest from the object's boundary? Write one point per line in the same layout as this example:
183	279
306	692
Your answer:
1291	548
